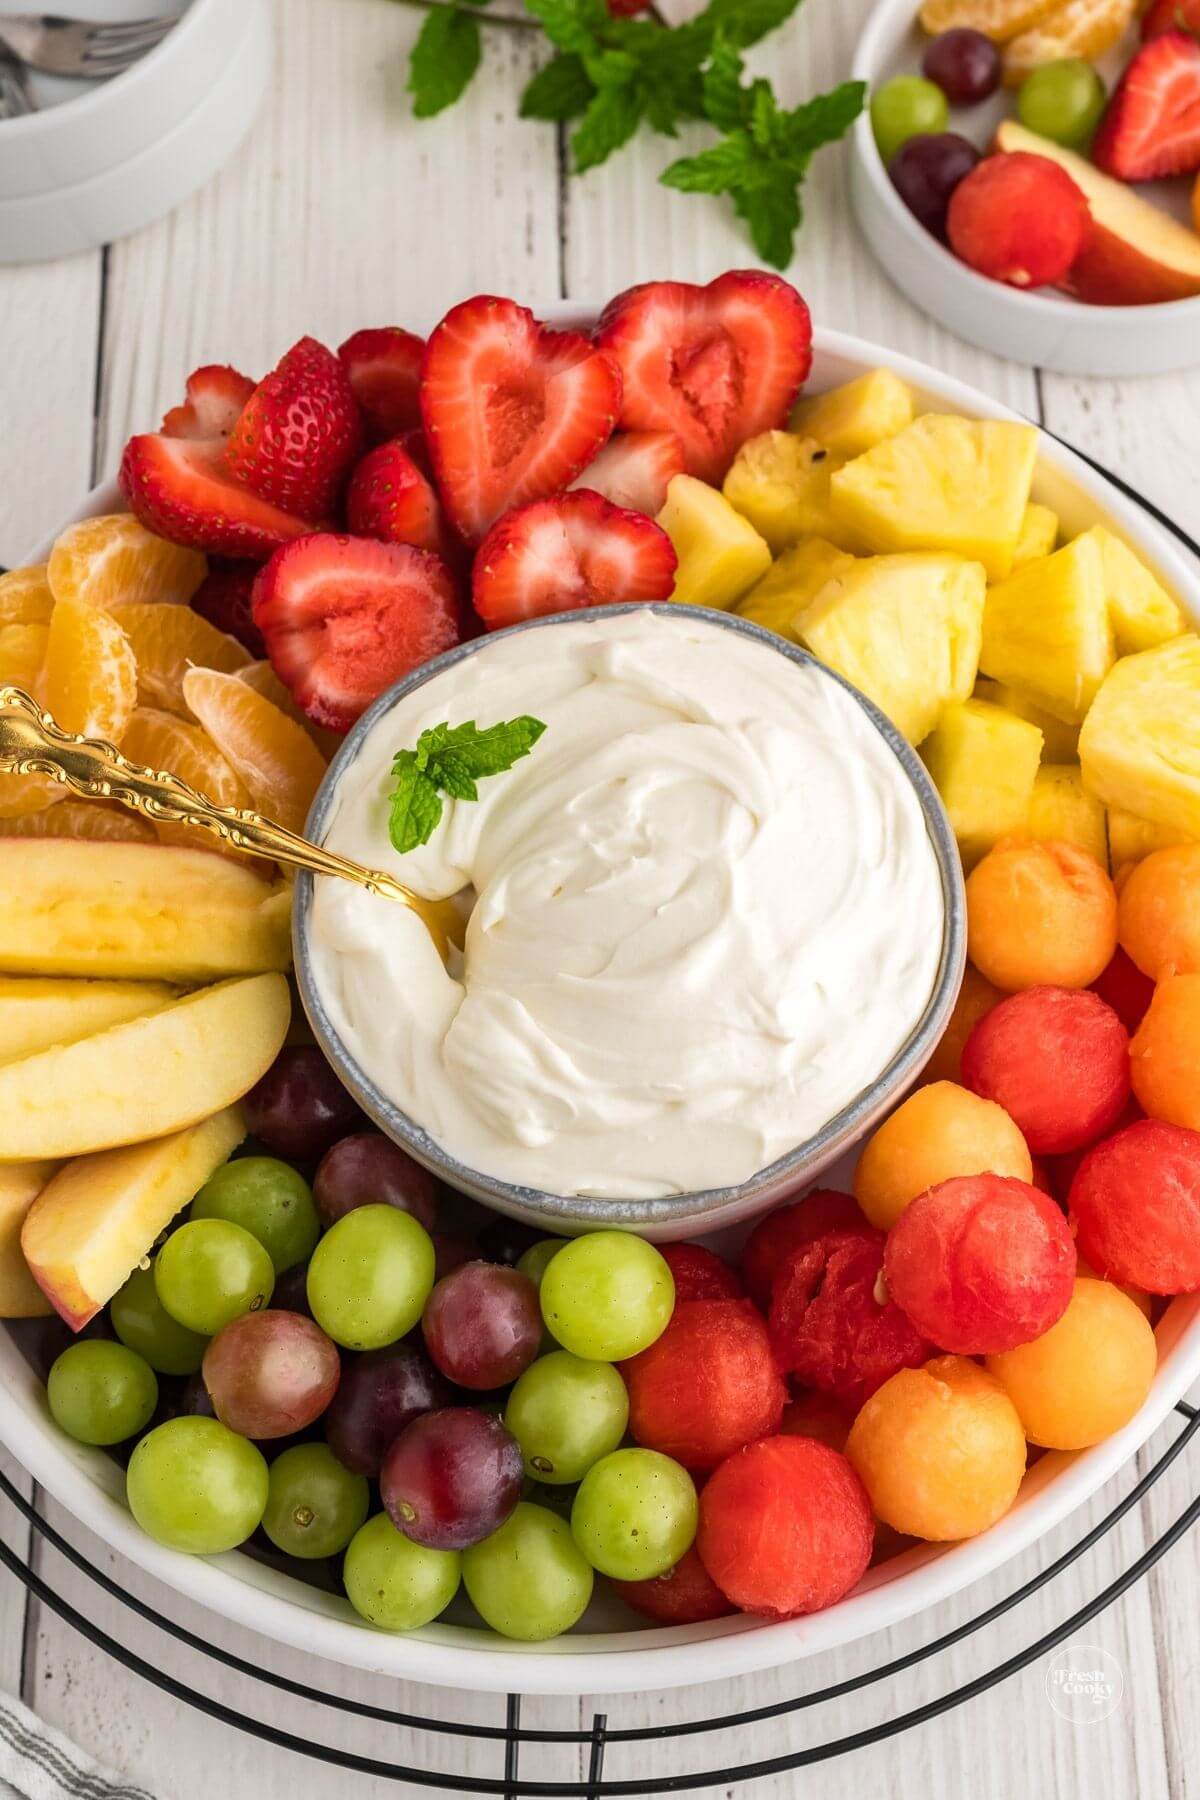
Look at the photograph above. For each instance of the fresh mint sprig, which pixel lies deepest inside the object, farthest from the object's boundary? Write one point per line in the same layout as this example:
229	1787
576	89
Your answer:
451	759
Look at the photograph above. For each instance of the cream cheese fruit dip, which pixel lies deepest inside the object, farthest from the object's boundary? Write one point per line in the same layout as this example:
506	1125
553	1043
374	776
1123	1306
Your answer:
708	911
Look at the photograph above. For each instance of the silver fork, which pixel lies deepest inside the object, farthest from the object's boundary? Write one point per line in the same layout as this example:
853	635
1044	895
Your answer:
83	47
15	96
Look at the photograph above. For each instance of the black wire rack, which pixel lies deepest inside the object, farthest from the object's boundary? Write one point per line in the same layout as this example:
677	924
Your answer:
606	1743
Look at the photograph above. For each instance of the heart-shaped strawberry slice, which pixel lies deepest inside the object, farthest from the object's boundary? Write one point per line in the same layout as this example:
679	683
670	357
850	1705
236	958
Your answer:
716	365
569	551
512	410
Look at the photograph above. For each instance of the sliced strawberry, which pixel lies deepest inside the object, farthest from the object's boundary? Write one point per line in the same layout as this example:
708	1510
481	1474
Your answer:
716	364
1152	126
512	410
182	490
300	433
384	366
216	395
223	598
345	617
391	498
634	469
1172	15
573	550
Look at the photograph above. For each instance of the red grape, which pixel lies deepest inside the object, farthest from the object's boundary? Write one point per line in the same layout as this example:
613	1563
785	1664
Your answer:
451	1252
451	1478
380	1394
290	1293
964	64
926	171
505	1240
299	1109
483	1325
367	1169
270	1373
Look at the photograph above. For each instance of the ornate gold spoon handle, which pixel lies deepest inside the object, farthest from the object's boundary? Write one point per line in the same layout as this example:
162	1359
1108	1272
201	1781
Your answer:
31	743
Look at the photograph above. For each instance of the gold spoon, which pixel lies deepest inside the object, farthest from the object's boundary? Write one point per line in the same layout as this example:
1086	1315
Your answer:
31	743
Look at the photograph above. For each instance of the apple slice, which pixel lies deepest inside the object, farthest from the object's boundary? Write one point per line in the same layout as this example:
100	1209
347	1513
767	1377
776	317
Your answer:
20	1185
1136	254
35	1015
99	1216
141	911
146	1077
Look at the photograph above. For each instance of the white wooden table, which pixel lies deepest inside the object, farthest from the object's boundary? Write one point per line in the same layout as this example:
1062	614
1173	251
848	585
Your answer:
340	211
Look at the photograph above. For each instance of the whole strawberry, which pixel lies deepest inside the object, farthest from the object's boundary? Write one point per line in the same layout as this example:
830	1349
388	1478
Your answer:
299	434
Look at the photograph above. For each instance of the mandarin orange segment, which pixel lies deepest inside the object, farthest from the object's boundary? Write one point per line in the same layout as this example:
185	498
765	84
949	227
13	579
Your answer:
82	819
263	679
111	559
25	597
22	653
998	19
89	681
167	641
1084	28
274	756
158	740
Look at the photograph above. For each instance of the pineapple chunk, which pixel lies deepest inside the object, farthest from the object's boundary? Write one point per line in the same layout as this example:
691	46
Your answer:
1140	744
781	484
1039	534
1063	811
1131	838
856	416
944	483
791	585
1142	612
1046	630
984	764
720	554
1060	742
904	630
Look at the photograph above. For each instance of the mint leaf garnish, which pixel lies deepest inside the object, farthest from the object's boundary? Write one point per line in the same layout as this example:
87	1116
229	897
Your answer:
451	759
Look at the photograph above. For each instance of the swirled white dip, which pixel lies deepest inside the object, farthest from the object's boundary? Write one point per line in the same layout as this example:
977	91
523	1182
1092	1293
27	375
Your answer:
708	912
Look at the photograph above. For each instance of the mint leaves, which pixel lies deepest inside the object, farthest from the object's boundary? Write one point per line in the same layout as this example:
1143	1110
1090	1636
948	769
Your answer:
451	759
610	77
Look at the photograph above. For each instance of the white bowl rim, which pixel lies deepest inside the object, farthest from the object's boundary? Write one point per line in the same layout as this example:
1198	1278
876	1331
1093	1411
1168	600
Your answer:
244	1592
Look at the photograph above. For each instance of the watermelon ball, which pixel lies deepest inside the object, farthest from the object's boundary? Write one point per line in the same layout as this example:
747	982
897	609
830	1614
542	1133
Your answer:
1123	987
816	1415
829	1326
1135	1208
981	1263
684	1595
700	1274
785	1527
1057	1060
1019	219
707	1386
790	1228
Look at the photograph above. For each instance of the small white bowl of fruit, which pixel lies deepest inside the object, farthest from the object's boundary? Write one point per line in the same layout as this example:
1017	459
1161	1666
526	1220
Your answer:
1028	175
1018	621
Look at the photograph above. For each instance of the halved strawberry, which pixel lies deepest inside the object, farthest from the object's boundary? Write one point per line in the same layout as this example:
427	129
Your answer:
1152	125
182	490
570	551
384	366
391	497
299	433
512	410
634	469
216	395
223	598
716	364
345	617
1172	15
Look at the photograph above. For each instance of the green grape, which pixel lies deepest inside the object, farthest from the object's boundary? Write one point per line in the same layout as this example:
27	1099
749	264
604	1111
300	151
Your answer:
314	1506
566	1414
536	1259
395	1583
1063	101
635	1514
140	1320
904	107
607	1295
101	1393
211	1272
270	1200
195	1485
528	1580
370	1277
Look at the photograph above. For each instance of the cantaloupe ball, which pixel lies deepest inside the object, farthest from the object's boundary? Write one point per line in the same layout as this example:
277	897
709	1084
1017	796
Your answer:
939	1132
1158	916
1164	1057
939	1450
1140	1300
1040	915
1087	1376
976	996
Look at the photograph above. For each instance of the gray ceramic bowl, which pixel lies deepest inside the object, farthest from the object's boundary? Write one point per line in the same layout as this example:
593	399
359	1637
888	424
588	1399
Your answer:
680	1215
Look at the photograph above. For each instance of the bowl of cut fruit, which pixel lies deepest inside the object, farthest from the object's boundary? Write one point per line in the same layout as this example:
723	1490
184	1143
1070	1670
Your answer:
284	1366
1029	174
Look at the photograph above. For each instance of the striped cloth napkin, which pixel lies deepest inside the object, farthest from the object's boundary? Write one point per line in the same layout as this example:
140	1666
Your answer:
39	1763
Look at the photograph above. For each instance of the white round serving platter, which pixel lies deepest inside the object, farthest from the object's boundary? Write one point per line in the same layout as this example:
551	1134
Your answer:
1046	329
612	1651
